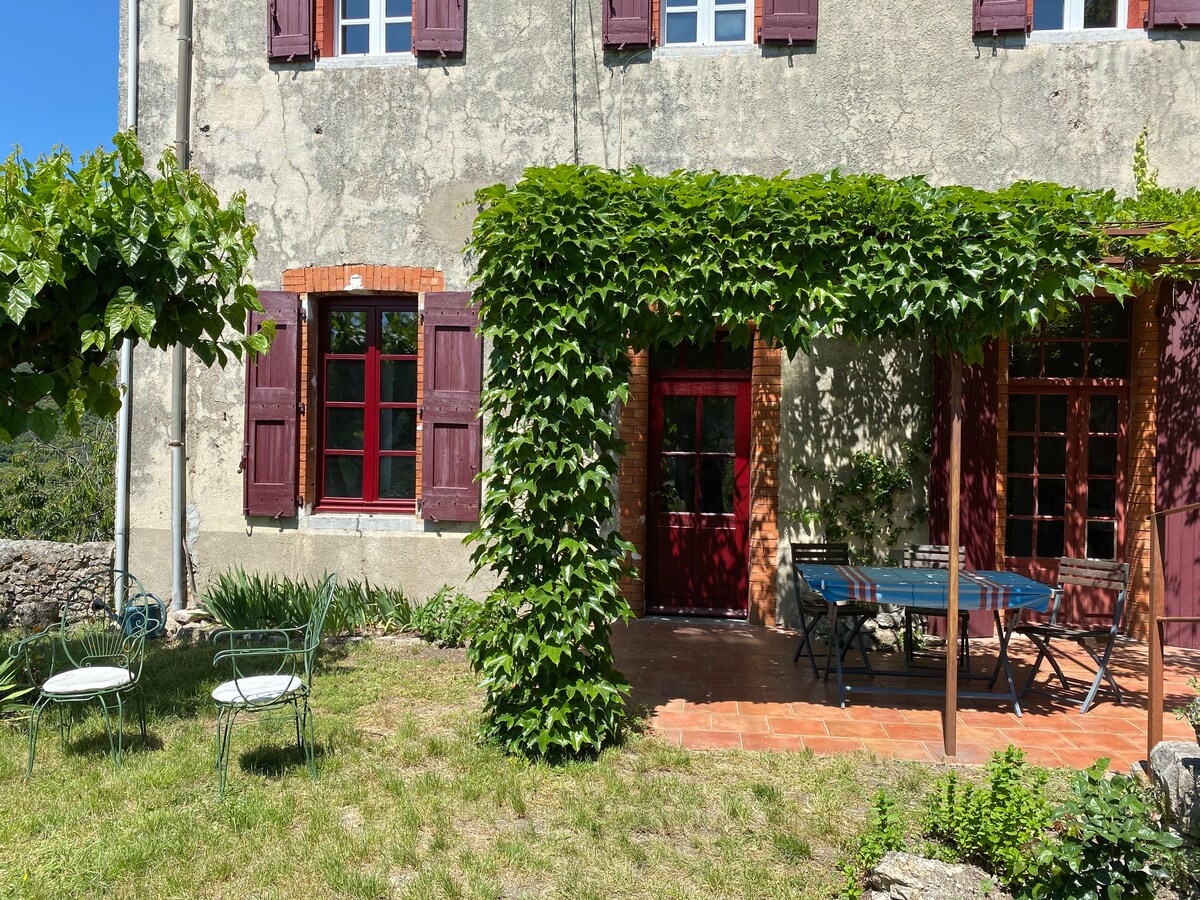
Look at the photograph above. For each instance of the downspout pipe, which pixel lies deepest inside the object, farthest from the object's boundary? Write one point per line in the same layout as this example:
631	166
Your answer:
178	446
125	416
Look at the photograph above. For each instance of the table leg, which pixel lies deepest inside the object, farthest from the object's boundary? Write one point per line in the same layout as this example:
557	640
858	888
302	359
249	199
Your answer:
1003	663
835	638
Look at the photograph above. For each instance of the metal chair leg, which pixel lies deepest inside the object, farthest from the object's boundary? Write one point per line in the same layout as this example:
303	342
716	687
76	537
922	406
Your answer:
114	746
1102	672
226	742
310	743
35	718
807	626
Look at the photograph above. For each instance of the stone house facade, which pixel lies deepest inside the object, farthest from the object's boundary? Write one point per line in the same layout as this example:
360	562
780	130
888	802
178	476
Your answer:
361	129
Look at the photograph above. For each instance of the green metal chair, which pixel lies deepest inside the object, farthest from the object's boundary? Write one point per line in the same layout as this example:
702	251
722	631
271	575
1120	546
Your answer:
271	677
98	658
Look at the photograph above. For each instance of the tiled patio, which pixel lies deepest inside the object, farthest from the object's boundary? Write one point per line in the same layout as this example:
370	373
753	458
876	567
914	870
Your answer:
719	684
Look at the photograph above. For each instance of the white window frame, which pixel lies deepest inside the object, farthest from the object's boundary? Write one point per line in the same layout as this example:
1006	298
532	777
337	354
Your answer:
376	23
1073	19
706	18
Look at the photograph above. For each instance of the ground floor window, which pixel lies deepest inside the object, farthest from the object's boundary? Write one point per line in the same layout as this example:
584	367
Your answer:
1076	15
700	22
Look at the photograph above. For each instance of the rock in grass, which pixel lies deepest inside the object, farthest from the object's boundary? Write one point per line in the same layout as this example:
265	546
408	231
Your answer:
903	876
1175	766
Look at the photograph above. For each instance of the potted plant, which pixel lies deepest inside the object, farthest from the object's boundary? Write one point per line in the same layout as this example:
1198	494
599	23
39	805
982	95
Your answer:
1191	712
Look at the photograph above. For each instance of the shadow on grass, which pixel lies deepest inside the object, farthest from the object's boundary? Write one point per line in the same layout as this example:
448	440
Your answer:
95	742
276	761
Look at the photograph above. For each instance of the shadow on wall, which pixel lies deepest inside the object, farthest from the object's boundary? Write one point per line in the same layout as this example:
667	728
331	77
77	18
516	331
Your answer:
842	399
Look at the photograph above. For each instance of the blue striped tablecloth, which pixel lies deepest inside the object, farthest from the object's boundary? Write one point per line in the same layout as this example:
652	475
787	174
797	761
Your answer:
926	588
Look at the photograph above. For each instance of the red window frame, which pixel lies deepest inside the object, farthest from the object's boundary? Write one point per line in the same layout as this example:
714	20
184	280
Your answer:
372	406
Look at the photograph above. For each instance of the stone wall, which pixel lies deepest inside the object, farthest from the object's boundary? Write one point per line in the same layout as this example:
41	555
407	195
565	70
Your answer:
38	577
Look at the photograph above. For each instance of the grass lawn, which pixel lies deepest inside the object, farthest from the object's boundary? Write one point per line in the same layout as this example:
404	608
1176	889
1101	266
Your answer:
410	805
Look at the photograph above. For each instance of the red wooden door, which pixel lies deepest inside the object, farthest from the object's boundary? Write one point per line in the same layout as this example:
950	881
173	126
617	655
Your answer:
699	487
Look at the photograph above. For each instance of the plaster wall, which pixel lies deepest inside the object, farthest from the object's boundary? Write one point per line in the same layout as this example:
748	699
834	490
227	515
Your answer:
378	164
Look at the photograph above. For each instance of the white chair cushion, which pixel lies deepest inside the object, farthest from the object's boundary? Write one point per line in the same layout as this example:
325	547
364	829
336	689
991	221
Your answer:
87	680
256	689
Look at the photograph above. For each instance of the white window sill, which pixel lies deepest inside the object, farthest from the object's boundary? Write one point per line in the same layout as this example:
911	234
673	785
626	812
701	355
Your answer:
360	522
362	61
683	51
1086	36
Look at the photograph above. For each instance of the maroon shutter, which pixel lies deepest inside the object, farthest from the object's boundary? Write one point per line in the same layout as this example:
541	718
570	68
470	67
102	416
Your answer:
979	458
272	404
1177	463
451	443
440	26
788	21
994	16
289	29
626	23
1173	13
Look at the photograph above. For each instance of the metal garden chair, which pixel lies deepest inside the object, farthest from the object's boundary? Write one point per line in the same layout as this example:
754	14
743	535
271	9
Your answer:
99	658
271	677
1093	573
813	607
936	556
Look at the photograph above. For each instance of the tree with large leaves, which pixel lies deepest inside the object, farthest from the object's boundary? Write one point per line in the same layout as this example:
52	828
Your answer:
103	251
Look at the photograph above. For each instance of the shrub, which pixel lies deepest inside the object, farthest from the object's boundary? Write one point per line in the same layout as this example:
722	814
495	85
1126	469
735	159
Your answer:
448	618
885	832
997	825
11	689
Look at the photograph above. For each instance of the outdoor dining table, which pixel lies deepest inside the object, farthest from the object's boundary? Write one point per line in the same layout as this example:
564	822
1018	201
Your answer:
926	590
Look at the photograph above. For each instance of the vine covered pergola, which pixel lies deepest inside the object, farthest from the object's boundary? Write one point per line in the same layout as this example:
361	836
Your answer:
576	266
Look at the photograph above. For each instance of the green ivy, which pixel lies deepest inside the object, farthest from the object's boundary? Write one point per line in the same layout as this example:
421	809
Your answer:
575	265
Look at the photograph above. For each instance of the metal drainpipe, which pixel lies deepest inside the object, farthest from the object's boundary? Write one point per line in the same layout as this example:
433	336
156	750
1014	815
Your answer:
125	417
178	356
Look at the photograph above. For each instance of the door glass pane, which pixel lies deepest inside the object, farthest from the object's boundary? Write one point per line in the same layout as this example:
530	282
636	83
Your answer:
1048	15
1109	320
681	28
1020	496
347	330
730	25
678	484
716	484
398	477
1054	413
343	476
717	417
679	424
1052	456
398	333
397	38
664	358
1064	359
398	381
1103	415
1025	360
1052	496
1102	456
1100	14
1101	540
344	380
1102	498
701	356
344	429
1022	412
1020	455
1108	360
1050	538
1018	539
397	429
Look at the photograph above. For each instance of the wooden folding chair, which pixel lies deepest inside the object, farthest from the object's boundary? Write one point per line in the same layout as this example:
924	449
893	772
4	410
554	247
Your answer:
937	556
813	606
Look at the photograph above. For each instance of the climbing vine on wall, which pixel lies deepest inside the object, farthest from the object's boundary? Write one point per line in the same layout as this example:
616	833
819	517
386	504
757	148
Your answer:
576	264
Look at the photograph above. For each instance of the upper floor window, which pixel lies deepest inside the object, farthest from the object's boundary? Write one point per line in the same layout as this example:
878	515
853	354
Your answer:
374	27
706	22
1077	15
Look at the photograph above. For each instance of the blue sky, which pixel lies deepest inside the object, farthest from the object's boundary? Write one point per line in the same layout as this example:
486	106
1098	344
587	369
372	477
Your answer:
58	75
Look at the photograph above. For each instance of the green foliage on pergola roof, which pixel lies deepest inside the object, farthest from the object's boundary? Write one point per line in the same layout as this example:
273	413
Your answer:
578	264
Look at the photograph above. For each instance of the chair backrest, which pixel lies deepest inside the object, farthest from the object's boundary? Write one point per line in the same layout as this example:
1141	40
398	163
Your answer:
821	554
1103	574
104	638
931	556
316	621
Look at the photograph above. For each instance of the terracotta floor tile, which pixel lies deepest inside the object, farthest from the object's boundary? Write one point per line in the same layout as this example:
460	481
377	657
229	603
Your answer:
686	719
1039	740
670	735
965	752
772	742
909	732
1118	743
860	713
854	729
914	750
833	745
1082	759
711	740
923	716
740	724
752	708
724	707
815	727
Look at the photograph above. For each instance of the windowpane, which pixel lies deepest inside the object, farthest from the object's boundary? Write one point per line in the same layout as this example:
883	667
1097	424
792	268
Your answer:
1050	538
1069	324
1052	456
347	329
1020	455
701	356
344	381
1108	360
1018	539
679	424
736	357
678	493
397	477
1022	411
344	429
356	9
1103	416
397	429
730	25
343	476
681	27
1025	360
1109	320
398	334
398	381
1052	496
664	358
1102	498
1020	496
1048	14
1100	14
717	418
1054	413
398	9
1101	540
716	484
1102	456
1064	359
356	39
397	37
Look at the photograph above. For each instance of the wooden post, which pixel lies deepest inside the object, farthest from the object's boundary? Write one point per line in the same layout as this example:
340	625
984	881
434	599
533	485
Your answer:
950	719
1154	686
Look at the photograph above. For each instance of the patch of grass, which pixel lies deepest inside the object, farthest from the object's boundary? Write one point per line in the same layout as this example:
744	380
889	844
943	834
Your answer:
410	805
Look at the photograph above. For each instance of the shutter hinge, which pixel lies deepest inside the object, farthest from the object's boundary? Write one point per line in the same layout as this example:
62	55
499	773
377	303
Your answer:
245	461
303	314
301	408
300	500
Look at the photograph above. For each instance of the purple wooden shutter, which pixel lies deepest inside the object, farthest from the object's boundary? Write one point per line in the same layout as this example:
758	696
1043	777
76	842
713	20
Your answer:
994	16
626	23
1173	13
289	29
272	406
440	26
788	21
451	442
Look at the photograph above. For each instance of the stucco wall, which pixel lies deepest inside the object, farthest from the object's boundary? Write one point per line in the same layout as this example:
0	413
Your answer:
377	165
